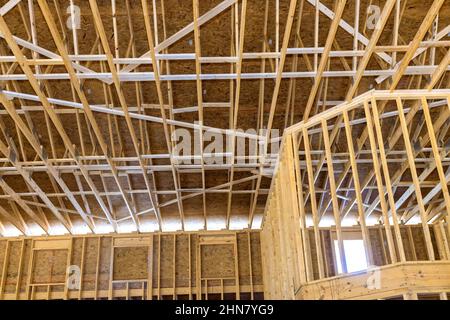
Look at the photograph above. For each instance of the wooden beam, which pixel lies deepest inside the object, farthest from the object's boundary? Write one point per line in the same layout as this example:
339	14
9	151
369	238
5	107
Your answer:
325	56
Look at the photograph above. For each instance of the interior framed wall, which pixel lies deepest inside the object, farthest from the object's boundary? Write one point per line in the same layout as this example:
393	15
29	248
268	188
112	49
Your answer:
217	265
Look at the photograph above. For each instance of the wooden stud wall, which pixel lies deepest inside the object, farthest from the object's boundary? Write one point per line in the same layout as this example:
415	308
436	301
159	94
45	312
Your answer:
396	171
159	266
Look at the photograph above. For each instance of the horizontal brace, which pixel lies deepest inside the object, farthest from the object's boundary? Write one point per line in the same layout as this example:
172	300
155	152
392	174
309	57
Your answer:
149	76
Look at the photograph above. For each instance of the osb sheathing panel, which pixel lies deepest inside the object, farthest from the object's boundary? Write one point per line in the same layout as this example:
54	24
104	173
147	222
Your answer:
131	262
90	264
193	254
166	249
378	244
218	261
313	253
13	265
256	258
105	266
244	266
49	266
182	261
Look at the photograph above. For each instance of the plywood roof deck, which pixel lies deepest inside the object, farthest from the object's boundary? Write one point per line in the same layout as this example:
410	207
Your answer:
86	117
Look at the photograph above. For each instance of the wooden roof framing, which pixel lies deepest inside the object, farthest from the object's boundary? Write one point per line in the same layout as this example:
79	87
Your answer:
88	115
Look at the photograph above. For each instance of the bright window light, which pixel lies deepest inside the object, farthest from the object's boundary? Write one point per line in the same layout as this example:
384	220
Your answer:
355	255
